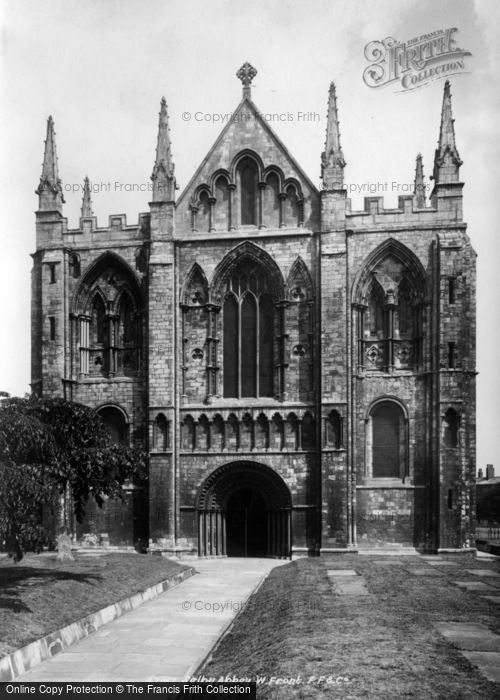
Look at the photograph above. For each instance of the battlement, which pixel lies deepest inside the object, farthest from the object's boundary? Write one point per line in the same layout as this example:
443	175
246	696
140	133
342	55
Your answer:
116	223
407	212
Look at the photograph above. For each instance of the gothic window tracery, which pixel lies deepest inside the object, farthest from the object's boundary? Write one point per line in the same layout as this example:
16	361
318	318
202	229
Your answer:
389	302
248	334
108	334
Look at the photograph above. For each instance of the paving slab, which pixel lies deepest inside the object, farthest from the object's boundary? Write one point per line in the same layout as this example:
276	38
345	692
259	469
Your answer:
474	586
487	555
388	562
442	563
483	572
166	638
469	636
342	572
425	572
347	582
488	663
356	587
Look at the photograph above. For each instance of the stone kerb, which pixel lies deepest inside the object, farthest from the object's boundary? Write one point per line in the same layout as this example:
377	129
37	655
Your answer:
24	659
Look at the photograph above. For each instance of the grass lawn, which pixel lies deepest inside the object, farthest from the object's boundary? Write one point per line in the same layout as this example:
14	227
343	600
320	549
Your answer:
40	594
384	643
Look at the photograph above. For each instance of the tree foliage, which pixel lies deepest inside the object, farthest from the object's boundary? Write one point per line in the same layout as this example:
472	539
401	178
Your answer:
47	445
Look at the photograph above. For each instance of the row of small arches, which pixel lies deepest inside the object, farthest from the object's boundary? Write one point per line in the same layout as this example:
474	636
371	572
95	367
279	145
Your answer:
251	161
292	432
251	196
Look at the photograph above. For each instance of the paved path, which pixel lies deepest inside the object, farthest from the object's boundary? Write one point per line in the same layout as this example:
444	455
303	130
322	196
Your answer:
164	639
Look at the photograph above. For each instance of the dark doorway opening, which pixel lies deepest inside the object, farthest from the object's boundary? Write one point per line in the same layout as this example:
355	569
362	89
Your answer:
246	525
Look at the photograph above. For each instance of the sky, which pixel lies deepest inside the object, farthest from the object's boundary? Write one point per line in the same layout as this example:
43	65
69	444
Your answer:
100	69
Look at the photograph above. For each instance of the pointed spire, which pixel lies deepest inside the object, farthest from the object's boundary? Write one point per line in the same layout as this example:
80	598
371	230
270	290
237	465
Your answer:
446	160
163	171
419	188
50	190
332	158
87	201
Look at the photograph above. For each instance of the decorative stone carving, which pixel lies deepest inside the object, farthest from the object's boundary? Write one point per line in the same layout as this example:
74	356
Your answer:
373	354
246	74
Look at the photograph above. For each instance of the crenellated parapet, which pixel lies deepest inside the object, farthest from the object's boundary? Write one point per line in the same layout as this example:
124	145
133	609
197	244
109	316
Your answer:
407	213
89	231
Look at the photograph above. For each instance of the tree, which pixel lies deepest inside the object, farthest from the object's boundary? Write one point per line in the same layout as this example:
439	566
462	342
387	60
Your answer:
46	446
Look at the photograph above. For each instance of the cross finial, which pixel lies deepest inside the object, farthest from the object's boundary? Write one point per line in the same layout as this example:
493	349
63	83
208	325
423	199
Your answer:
246	74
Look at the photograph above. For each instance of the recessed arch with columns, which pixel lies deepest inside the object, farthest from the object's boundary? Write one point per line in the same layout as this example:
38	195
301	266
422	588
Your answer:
218	488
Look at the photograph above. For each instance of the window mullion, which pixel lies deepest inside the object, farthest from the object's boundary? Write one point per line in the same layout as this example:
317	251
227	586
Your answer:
257	348
239	364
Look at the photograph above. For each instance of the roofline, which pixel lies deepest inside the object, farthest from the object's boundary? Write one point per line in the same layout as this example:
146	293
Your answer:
271	133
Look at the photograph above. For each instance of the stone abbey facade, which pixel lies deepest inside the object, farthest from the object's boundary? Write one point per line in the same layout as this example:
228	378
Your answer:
301	375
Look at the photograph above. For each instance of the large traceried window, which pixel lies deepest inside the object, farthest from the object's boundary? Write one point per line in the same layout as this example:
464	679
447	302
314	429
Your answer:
389	301
108	333
248	342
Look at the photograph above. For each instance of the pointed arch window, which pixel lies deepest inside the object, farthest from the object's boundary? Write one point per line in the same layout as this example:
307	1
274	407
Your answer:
376	311
405	310
450	428
248	180
109	334
98	322
291	207
389	314
272	202
334	437
307	432
74	266
126	350
248	334
126	319
161	435
386	437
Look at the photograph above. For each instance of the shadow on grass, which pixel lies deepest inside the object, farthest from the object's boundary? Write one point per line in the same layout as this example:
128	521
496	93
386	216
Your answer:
17	580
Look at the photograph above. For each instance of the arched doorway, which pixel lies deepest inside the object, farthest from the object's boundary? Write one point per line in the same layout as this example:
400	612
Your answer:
246	524
244	510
